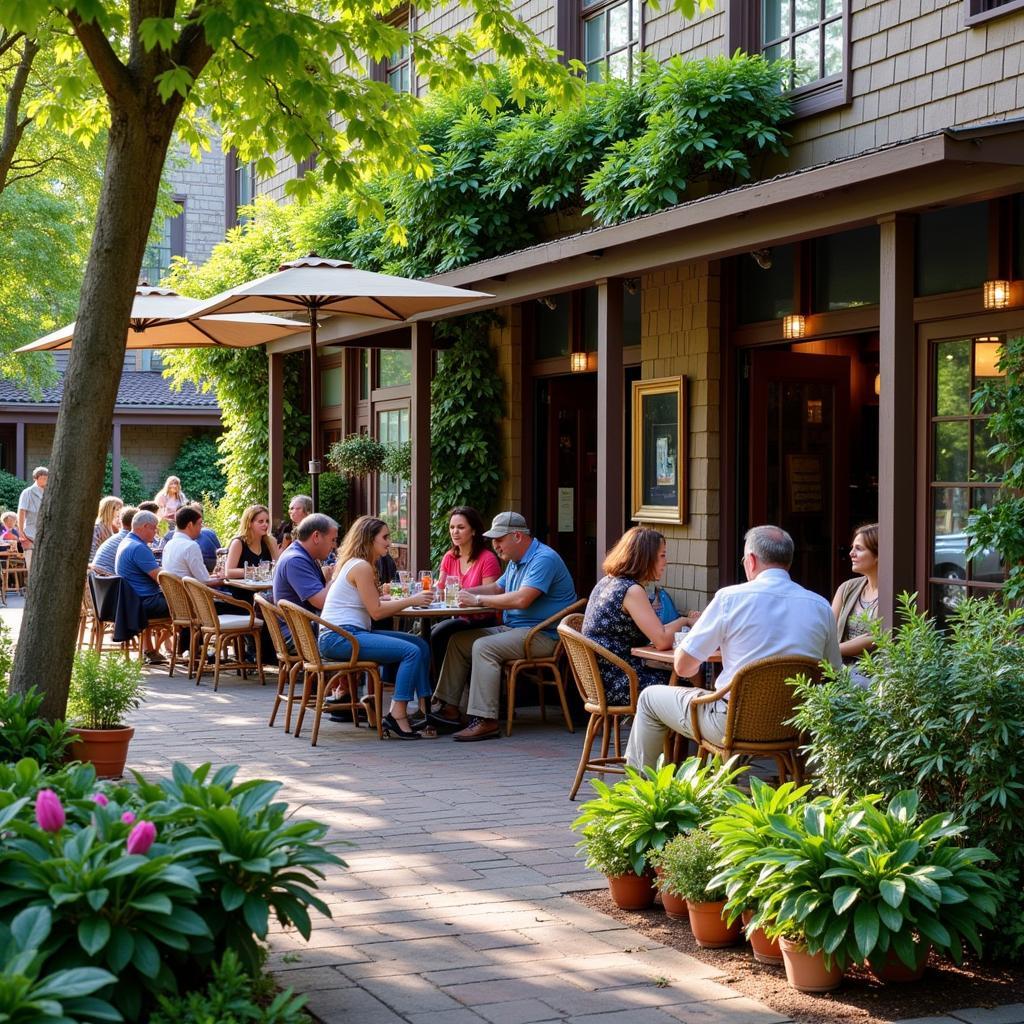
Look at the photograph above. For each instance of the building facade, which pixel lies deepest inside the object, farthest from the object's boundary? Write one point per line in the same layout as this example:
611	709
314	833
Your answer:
825	325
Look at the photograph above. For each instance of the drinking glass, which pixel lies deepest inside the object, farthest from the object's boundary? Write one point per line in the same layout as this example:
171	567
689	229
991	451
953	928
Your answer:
396	588
427	579
265	570
248	573
451	592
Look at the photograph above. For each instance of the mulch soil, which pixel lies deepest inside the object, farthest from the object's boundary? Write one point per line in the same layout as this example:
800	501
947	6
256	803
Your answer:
860	998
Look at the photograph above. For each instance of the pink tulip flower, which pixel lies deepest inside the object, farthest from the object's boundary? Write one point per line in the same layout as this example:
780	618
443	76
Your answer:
49	811
127	817
140	839
100	798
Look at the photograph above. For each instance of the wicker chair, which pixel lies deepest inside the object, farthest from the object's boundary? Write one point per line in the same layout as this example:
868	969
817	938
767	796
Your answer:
760	702
323	674
14	575
289	665
223	630
604	717
540	667
183	616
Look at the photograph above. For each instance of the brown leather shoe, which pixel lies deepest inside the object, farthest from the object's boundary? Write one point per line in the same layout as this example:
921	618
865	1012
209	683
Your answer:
478	729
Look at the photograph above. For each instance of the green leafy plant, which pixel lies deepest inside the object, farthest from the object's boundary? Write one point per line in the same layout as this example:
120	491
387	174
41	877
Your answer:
133	488
198	467
397	460
334	492
688	866
603	850
945	717
233	996
647	809
23	733
57	995
11	487
357	455
104	688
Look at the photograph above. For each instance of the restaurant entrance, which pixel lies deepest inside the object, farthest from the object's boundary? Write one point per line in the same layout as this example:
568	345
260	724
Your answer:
812	451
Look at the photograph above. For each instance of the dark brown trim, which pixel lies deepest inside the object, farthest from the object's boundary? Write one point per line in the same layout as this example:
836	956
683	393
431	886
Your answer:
419	432
230	191
138	417
975	14
275	439
611	403
569	30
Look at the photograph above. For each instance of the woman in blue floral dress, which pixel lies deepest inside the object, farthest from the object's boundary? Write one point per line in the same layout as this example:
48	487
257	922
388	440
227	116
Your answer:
619	613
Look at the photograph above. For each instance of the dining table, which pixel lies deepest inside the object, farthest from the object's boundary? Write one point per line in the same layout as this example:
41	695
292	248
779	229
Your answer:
251	586
667	658
439	610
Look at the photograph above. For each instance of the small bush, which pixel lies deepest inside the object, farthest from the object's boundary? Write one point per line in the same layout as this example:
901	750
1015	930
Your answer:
104	688
133	490
334	492
197	465
357	455
24	734
11	487
688	864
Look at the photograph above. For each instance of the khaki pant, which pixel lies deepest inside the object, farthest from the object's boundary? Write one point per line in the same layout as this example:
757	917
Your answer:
661	708
476	657
28	557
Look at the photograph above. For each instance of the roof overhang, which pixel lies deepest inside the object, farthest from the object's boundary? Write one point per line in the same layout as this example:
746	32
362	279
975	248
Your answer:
950	166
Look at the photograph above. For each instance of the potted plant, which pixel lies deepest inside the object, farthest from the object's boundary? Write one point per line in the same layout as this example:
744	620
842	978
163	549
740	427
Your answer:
604	852
357	455
104	688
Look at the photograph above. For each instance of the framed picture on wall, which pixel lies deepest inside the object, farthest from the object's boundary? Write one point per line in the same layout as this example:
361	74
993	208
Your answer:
660	445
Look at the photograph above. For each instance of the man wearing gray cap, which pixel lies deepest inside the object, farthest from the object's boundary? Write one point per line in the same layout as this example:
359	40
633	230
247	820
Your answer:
534	586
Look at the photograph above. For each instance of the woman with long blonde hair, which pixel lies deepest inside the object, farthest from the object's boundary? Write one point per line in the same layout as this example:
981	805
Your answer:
354	603
108	521
170	498
253	544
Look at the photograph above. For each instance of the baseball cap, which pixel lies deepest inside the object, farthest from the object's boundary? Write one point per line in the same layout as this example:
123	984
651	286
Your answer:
506	522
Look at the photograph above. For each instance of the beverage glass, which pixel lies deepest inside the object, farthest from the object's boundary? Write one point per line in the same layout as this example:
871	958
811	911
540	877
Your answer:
451	592
427	579
265	570
247	573
396	588
680	637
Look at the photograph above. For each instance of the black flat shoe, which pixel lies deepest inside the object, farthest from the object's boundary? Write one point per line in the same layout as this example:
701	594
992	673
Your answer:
392	728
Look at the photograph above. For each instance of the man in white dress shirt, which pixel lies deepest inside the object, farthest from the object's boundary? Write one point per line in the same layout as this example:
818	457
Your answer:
767	616
182	555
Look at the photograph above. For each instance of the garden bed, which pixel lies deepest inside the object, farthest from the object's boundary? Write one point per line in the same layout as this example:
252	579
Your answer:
861	998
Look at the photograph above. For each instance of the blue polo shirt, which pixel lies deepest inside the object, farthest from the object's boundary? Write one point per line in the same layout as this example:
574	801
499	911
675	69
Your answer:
542	568
106	553
297	578
208	543
134	563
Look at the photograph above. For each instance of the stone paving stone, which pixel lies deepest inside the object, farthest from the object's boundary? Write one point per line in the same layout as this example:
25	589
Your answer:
409	993
929	1020
648	1015
1012	1014
518	1011
351	1006
734	1010
308	979
461	1016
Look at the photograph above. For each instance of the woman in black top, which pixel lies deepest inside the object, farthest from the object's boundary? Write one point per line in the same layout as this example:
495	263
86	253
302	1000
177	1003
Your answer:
253	545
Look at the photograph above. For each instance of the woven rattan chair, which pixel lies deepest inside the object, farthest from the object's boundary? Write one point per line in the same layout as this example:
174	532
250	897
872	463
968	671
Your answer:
100	630
14	575
223	630
289	664
183	617
605	718
545	670
760	703
324	674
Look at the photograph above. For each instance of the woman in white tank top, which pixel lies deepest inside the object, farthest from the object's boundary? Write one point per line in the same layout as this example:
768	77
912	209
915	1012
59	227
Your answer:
354	603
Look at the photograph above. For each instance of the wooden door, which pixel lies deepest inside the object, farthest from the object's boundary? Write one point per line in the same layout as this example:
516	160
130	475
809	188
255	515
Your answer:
799	473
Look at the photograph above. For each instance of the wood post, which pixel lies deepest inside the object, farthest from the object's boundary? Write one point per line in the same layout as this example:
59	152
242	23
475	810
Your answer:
419	432
115	459
610	412
275	437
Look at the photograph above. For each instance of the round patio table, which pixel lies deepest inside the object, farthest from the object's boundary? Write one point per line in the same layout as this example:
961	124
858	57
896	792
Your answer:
438	610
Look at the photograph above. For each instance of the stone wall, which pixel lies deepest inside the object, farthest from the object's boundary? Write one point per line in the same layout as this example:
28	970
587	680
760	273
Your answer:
681	335
201	182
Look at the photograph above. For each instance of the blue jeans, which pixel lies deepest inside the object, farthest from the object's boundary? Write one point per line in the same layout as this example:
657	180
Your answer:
386	647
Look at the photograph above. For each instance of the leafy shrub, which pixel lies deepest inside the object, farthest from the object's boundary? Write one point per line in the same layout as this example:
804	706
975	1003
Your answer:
104	688
232	997
198	466
11	487
24	734
334	491
647	809
357	455
688	865
133	490
155	881
945	717
398	460
604	850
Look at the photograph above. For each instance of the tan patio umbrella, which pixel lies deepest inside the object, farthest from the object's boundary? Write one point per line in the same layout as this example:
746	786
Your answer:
158	321
316	285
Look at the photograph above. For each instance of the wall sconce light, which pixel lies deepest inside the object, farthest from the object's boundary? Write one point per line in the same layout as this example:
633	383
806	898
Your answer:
549	302
794	325
878	383
987	353
632	285
997	294
578	362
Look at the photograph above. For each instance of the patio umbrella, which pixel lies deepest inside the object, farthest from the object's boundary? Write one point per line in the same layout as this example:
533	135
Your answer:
158	321
316	285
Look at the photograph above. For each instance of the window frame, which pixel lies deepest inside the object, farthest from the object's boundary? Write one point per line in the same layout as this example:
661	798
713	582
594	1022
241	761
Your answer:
744	33
381	70
600	9
977	12
232	166
174	232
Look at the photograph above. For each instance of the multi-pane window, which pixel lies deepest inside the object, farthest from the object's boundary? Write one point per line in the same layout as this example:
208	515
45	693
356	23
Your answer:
611	38
807	32
398	69
157	259
960	465
392	491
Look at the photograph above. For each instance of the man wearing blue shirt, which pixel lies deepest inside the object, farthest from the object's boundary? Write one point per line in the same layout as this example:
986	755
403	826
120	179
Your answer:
106	553
298	576
534	586
137	566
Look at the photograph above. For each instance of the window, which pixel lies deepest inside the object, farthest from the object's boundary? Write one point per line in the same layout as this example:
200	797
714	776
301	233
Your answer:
611	38
397	69
151	360
394	368
984	10
239	188
951	249
157	259
845	270
393	492
958	449
764	285
813	34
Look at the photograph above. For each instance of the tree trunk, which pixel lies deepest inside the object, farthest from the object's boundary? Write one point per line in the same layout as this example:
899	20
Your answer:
136	150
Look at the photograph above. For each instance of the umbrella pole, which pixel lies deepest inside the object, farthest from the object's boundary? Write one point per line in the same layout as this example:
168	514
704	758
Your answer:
314	412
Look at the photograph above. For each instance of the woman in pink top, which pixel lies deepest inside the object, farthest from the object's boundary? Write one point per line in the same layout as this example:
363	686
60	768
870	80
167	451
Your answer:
473	563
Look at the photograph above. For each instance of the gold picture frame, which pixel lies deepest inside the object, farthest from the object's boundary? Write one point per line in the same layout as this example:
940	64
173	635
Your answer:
660	448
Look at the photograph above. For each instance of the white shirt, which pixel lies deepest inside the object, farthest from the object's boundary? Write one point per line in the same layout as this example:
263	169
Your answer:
31	500
766	617
182	556
343	606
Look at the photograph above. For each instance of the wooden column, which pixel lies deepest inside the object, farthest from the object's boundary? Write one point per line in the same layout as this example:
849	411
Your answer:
19	449
610	411
115	459
419	430
896	413
275	438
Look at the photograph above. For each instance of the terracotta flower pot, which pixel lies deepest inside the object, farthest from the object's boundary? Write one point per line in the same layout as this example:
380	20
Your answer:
675	906
105	749
888	967
709	927
765	950
806	972
631	892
